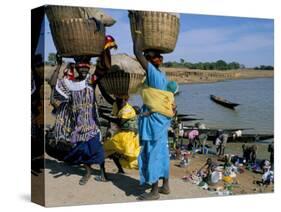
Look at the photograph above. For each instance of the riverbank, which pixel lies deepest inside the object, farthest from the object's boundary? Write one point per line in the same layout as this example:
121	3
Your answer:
184	75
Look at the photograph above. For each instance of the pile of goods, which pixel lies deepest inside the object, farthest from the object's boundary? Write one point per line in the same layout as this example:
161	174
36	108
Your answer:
78	31
125	76
159	30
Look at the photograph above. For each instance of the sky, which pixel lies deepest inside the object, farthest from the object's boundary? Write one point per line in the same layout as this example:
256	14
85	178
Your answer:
202	38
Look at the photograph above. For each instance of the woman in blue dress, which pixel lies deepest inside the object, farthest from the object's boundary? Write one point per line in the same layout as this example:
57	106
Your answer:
153	160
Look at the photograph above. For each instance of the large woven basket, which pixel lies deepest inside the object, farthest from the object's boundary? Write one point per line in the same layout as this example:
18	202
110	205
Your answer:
125	76
57	13
159	30
76	37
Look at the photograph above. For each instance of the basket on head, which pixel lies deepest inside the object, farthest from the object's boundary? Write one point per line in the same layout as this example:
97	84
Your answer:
159	30
57	13
125	76
77	36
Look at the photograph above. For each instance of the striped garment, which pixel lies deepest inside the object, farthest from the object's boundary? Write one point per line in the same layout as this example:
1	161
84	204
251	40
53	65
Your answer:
76	115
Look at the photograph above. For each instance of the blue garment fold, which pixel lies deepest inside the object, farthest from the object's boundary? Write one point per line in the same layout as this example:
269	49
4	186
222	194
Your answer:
87	152
154	160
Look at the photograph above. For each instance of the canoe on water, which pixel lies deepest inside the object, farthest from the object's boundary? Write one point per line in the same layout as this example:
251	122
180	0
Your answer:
223	102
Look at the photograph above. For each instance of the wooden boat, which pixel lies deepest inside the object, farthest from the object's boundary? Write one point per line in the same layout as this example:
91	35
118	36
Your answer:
183	115
246	138
183	119
223	102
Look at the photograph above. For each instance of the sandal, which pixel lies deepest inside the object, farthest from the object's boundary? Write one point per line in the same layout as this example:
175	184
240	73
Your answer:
101	179
148	196
84	179
163	190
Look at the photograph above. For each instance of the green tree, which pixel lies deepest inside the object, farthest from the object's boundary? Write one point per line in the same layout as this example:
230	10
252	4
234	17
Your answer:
221	65
168	64
233	65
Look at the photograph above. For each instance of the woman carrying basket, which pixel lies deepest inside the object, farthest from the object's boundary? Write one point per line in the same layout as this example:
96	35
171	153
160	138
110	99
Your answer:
77	136
155	119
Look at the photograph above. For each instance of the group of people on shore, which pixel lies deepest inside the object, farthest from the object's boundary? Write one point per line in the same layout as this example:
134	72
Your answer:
197	142
135	138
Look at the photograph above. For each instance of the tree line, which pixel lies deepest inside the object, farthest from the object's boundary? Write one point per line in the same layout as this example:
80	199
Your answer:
263	67
218	65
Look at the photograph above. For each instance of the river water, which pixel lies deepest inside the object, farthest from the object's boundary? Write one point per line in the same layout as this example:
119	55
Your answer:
255	96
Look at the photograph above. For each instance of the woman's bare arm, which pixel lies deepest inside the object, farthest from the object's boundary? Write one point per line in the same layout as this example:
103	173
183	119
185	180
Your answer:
137	42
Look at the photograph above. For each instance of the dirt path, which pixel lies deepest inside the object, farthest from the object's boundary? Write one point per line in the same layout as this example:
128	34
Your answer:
62	186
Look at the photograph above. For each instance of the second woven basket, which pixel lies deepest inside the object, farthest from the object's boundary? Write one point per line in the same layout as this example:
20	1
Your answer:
159	30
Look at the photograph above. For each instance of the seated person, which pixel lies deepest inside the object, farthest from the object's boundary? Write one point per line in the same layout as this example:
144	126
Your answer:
210	166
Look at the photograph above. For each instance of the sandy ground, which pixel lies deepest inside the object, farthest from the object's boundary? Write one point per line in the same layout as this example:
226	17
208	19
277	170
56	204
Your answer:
62	188
62	184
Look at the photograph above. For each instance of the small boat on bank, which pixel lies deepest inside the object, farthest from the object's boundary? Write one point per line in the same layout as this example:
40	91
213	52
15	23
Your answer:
183	119
246	138
223	102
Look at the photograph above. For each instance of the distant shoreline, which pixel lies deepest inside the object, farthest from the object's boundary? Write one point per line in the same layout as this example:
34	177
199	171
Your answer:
221	80
186	76
192	76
